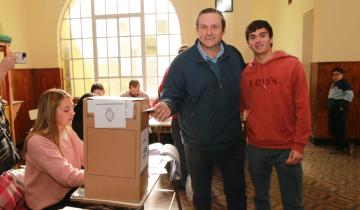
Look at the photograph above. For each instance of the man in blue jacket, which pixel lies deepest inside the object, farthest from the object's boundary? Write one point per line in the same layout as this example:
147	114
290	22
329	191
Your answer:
202	85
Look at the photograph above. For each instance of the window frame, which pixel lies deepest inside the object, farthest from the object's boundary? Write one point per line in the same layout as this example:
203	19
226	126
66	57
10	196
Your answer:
68	61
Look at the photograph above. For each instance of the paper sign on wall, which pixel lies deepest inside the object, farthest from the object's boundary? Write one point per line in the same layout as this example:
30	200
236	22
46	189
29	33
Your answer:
109	114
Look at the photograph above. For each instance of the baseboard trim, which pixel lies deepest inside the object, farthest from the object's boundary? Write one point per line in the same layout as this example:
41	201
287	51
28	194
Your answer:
328	141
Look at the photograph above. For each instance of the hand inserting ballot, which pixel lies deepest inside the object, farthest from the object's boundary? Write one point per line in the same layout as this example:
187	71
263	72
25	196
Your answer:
161	111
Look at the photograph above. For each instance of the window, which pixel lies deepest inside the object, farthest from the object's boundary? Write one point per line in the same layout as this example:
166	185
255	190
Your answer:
114	41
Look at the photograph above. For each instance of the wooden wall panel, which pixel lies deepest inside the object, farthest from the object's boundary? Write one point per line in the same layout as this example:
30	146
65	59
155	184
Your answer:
313	95
3	89
22	83
319	88
46	79
28	84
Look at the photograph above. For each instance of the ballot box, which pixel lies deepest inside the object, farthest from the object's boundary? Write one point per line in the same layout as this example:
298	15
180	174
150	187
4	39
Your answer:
116	139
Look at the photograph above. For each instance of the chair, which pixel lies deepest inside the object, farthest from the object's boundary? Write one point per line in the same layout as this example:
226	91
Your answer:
170	154
12	190
33	114
173	168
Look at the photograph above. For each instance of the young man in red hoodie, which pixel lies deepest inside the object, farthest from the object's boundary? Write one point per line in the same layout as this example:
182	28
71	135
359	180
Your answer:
275	97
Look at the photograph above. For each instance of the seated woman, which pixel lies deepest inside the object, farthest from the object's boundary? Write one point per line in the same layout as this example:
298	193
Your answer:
77	123
54	154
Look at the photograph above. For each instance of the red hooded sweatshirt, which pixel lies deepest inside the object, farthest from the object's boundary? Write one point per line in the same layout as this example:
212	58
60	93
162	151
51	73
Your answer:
275	94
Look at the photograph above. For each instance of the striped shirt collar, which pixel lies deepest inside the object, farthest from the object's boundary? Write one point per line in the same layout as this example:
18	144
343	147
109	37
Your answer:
206	57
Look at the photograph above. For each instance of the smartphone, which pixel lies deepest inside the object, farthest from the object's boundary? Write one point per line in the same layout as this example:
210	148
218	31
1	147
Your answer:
150	110
20	57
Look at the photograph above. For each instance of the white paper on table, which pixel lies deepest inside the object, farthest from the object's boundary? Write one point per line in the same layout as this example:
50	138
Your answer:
129	105
109	114
144	148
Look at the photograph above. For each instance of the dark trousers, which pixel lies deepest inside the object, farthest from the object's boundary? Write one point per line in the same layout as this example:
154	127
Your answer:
231	164
261	163
337	126
175	132
64	202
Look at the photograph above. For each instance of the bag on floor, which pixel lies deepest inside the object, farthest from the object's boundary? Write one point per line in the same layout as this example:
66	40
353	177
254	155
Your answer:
8	154
11	192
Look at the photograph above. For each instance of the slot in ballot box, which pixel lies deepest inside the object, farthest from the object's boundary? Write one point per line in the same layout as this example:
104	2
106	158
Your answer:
116	139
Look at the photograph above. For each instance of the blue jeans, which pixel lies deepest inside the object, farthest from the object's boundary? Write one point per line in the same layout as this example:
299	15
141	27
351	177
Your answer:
261	162
231	164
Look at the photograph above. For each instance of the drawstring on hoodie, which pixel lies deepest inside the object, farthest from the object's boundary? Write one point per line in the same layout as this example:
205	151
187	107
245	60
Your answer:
254	65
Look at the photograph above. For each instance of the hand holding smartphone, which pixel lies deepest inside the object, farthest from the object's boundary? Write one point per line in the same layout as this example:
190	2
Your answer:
149	110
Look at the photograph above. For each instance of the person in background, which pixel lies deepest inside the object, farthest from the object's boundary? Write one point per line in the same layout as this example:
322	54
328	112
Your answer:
134	90
77	123
7	63
275	97
175	133
54	154
8	154
98	89
340	96
202	85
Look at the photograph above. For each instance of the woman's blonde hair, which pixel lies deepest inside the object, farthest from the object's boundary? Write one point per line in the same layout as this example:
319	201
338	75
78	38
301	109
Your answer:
45	124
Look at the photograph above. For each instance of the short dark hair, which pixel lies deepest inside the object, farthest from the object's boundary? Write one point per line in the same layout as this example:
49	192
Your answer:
134	83
210	10
338	69
257	24
97	86
79	105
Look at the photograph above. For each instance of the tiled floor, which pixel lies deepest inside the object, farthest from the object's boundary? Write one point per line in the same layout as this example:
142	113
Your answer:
331	182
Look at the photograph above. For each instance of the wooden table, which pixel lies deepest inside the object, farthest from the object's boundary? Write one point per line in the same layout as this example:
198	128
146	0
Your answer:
155	168
79	197
160	127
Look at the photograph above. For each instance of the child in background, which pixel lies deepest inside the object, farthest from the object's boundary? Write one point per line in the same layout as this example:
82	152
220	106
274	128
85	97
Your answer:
98	89
77	123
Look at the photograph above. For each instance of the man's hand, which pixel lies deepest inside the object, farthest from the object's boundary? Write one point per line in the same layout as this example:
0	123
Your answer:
295	157
8	62
161	111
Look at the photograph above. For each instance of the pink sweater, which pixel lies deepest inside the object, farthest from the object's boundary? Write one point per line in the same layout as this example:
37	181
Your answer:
49	176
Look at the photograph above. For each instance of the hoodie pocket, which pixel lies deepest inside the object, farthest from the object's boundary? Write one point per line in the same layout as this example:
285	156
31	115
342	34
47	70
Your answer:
265	127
